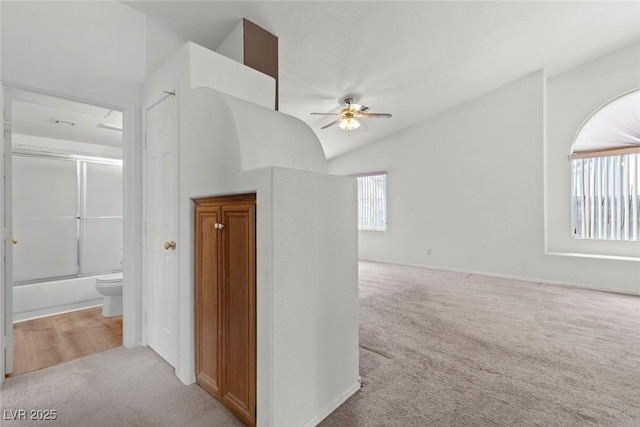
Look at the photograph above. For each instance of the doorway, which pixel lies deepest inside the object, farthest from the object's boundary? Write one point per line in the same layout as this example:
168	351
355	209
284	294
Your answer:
64	206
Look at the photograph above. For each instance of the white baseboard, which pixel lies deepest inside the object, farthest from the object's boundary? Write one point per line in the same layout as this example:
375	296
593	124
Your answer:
333	405
507	276
187	378
53	311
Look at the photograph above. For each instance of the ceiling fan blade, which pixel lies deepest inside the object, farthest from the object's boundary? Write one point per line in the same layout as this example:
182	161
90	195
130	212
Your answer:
362	125
335	122
325	114
376	115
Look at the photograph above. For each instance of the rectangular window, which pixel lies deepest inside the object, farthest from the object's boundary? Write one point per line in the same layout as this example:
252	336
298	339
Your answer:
606	197
372	201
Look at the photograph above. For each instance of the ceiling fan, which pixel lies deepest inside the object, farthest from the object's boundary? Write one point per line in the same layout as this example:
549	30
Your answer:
350	117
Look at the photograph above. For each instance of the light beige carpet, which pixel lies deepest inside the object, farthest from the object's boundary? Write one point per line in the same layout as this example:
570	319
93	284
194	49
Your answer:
437	349
114	388
449	349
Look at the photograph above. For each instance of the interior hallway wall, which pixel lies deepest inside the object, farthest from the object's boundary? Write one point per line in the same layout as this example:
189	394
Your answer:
306	251
469	185
92	52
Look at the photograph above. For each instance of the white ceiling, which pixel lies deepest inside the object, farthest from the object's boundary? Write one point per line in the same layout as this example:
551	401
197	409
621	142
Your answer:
412	59
36	115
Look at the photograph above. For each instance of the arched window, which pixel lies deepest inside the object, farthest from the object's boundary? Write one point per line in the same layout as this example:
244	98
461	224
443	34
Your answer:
605	167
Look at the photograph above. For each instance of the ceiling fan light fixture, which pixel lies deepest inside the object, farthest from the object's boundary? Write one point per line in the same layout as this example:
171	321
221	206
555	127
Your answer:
349	124
349	118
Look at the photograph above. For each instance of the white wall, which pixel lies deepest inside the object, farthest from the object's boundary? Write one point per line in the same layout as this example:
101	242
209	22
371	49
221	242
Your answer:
92	52
194	66
306	277
210	69
315	296
571	98
161	44
271	138
233	46
469	185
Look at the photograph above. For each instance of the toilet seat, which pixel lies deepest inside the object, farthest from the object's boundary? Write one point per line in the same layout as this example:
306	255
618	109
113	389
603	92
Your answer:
110	278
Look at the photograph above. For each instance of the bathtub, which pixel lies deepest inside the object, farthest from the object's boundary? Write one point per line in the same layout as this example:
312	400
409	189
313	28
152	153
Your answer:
34	300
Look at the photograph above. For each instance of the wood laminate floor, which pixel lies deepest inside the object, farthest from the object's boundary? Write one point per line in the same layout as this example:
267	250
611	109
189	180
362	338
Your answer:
50	341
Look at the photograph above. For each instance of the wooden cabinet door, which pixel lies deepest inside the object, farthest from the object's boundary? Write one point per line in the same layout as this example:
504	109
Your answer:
207	294
226	302
239	314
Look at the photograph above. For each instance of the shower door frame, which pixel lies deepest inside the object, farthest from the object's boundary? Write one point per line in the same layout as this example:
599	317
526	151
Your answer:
80	161
6	278
132	179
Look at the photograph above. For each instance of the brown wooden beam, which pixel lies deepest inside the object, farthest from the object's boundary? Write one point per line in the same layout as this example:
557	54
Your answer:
261	51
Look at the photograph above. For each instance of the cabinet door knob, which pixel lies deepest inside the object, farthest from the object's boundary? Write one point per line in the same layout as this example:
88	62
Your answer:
170	245
220	226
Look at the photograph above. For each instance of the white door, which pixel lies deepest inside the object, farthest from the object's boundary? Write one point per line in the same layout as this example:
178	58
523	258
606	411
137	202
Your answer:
6	289
161	189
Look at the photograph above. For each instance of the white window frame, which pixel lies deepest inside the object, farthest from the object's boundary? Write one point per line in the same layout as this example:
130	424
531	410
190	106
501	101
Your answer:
605	172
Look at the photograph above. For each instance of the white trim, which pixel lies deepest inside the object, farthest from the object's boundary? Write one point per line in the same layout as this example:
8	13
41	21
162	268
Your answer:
187	378
508	276
132	260
596	256
132	291
333	405
3	341
64	309
6	287
545	167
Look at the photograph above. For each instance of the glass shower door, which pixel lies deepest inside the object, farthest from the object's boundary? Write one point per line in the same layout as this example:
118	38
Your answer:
101	218
45	218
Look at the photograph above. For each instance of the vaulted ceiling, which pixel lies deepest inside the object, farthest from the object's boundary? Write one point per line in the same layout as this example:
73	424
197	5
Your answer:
412	59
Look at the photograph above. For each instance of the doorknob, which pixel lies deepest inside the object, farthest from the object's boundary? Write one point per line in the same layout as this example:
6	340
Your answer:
15	240
170	245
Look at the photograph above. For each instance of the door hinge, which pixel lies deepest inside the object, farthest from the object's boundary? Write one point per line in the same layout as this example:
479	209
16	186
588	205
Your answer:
145	140
146	228
7	126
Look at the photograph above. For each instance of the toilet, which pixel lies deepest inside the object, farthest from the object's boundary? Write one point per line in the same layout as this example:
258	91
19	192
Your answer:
110	287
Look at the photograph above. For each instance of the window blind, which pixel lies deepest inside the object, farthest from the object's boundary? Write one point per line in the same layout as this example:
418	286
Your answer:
606	197
372	201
